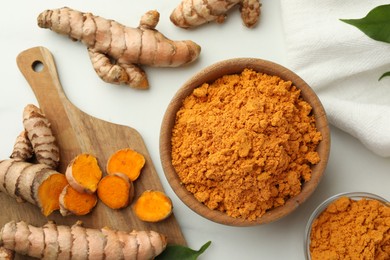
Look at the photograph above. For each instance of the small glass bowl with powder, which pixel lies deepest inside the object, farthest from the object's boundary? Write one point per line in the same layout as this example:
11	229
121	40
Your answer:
350	225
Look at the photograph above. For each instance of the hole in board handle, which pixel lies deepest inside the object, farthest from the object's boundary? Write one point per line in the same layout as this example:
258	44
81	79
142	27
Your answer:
37	66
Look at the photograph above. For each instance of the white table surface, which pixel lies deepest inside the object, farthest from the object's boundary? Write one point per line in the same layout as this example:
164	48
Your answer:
351	166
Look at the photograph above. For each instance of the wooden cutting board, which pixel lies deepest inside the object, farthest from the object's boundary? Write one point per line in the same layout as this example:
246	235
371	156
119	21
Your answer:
78	132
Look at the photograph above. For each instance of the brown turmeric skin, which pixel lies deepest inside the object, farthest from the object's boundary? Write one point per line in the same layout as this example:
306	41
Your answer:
42	139
116	51
350	229
193	13
245	143
53	241
23	149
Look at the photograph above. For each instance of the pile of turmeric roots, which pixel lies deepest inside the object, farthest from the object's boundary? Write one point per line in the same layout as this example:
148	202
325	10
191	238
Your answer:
117	51
30	176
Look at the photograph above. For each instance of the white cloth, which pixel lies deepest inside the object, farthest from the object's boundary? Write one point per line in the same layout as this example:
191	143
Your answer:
342	65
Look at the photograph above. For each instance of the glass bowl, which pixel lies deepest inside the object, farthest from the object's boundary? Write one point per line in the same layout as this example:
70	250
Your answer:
325	204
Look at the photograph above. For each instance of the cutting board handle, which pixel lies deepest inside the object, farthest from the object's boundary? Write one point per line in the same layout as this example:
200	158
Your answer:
38	67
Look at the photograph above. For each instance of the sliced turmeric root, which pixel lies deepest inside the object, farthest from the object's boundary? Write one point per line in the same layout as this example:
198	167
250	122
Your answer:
153	206
126	161
83	173
76	203
49	187
116	190
35	183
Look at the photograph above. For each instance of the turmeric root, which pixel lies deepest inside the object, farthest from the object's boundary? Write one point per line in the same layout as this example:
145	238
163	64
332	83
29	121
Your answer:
116	51
41	136
116	190
6	254
192	13
76	242
23	149
76	203
35	183
83	173
153	206
126	161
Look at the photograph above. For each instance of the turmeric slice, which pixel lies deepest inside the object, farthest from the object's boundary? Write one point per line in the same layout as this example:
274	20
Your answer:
49	187
83	173
153	206
76	203
116	190
126	161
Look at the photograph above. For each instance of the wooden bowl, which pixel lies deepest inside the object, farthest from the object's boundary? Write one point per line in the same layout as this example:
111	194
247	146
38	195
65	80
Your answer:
211	73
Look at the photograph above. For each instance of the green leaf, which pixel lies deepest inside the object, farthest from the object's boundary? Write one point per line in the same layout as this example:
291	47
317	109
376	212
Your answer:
376	24
386	74
173	252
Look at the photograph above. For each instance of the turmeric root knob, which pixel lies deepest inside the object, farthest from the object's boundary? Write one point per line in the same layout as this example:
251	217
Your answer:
41	136
23	149
76	203
116	190
153	206
83	173
192	13
126	161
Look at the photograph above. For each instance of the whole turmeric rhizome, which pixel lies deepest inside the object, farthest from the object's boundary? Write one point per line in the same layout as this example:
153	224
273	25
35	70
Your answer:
245	143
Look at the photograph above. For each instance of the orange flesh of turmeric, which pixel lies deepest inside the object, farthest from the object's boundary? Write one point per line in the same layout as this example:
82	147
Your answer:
49	192
79	203
153	206
86	171
115	191
126	161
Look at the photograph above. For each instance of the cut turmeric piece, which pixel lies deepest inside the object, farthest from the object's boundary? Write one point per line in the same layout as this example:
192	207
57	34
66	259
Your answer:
153	206
49	185
83	173
126	161
76	203
116	190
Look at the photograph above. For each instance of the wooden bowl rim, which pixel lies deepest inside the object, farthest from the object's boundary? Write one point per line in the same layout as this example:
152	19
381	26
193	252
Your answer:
210	74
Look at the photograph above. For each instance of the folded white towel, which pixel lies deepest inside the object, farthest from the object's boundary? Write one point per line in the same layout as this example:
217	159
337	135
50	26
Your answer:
342	65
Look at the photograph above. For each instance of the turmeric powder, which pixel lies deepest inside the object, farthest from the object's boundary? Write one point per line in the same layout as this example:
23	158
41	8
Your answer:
245	143
352	229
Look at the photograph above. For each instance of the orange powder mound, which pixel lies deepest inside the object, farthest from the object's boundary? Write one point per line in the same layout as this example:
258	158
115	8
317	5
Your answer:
245	143
350	229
